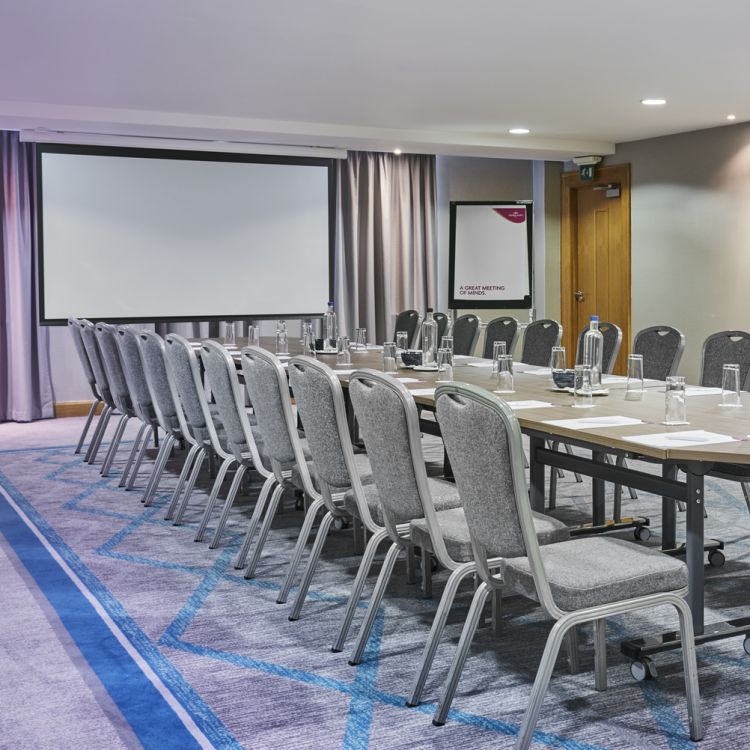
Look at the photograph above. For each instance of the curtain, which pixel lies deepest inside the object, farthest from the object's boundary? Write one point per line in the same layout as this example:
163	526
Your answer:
386	251
25	381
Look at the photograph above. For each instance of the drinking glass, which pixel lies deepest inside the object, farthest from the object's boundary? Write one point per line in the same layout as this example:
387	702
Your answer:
582	390
229	333
675	408
498	350
304	328
634	384
253	335
343	357
402	340
447	343
360	339
445	365
504	374
557	360
282	338
730	386
308	343
389	356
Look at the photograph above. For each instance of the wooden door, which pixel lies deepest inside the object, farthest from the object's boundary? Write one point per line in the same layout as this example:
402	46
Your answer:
595	255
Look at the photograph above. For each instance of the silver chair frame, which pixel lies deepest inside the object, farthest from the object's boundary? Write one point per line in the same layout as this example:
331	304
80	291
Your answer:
75	332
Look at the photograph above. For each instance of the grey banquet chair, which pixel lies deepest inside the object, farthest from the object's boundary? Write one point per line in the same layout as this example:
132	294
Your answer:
661	348
74	326
442	323
612	340
465	334
407	320
504	329
575	582
538	340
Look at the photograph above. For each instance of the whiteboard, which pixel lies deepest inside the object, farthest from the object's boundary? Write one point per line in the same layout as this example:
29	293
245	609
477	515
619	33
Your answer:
146	235
490	254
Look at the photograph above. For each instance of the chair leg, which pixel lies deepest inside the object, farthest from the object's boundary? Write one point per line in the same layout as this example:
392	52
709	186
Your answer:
436	631
691	669
86	426
746	493
600	654
357	533
552	499
299	548
181	481
260	505
156	471
374	604
359	584
231	495
312	563
551	649
199	459
96	438
459	658
138	461
264	529
132	454
213	497
114	445
571	641
411	565
426	574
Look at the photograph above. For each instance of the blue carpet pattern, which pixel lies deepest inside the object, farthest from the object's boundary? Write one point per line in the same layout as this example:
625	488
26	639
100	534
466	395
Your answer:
250	678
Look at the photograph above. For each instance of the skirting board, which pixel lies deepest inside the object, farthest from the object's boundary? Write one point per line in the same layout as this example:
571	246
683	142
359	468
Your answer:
74	408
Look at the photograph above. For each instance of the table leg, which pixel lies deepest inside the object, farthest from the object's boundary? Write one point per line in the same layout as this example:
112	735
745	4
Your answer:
536	475
668	512
694	556
598	509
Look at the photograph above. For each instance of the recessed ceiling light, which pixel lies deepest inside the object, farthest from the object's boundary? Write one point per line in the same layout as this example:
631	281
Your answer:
397	151
731	117
653	102
519	131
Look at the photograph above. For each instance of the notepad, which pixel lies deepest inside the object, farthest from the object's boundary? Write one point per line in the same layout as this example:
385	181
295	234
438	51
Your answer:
537	371
409	380
344	372
530	404
478	364
590	423
699	390
681	439
422	392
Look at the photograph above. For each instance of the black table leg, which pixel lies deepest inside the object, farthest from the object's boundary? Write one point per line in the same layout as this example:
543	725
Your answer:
694	557
536	475
668	512
598	510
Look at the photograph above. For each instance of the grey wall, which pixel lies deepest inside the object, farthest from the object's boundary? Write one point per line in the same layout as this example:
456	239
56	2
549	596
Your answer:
690	224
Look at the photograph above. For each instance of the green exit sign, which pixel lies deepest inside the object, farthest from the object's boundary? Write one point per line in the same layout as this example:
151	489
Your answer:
587	171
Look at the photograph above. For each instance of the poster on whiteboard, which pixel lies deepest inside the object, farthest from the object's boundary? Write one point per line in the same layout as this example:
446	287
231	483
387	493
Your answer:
490	254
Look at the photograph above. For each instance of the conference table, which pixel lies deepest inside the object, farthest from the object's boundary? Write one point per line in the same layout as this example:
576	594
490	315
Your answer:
613	426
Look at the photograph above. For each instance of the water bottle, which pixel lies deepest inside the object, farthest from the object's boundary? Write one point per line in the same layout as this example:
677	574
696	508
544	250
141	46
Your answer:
593	351
329	328
429	339
282	338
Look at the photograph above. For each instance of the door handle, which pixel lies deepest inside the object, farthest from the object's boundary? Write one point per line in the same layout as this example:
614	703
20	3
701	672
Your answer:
579	296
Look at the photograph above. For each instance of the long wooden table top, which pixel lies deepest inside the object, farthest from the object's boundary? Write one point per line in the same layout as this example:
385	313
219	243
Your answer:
703	411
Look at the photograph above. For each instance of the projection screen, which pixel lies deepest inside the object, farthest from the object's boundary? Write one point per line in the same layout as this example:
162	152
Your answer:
130	235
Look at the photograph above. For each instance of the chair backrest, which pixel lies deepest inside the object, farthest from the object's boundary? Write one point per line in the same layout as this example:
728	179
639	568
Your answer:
724	348
74	326
132	365
612	340
91	344
465	334
661	348
442	323
221	375
168	410
483	441
107	337
407	320
504	329
538	340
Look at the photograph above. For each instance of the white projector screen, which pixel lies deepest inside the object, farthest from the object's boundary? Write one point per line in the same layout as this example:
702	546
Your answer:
490	254
131	235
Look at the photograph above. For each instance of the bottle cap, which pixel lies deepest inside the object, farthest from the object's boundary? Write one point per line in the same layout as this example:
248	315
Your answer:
330	303
594	318
429	309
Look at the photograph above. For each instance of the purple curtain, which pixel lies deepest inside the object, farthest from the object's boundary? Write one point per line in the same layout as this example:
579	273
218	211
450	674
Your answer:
25	382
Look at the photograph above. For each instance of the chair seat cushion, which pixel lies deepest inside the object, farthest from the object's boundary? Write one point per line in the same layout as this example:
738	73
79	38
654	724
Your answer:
587	572
444	497
456	532
360	460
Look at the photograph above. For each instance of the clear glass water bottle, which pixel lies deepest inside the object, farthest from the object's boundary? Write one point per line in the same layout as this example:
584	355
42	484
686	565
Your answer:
593	351
282	338
429	339
329	328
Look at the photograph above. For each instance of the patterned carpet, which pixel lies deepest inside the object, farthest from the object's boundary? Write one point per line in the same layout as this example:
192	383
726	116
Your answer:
250	678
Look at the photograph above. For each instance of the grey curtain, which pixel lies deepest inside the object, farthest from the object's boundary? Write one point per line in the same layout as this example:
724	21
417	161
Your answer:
386	251
25	382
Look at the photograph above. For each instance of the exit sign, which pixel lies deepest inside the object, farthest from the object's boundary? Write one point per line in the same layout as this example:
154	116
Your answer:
587	171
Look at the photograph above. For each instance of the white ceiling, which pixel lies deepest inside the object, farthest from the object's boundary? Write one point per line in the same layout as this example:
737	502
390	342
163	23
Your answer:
433	76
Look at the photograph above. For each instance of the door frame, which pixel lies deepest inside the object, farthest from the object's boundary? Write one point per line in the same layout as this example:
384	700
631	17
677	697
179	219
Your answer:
571	182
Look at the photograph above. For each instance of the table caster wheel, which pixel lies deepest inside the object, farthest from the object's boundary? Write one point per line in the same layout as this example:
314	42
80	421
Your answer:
746	644
340	523
642	533
716	558
643	669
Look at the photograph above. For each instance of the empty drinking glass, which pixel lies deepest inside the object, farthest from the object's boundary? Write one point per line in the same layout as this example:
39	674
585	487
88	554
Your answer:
557	360
634	384
308	342
504	374
253	335
389	356
447	343
730	386
343	357
402	340
498	350
282	338
360	339
445	365
582	390
229	333
675	408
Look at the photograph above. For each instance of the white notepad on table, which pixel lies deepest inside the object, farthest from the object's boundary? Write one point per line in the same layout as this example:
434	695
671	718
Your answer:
592	423
681	439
